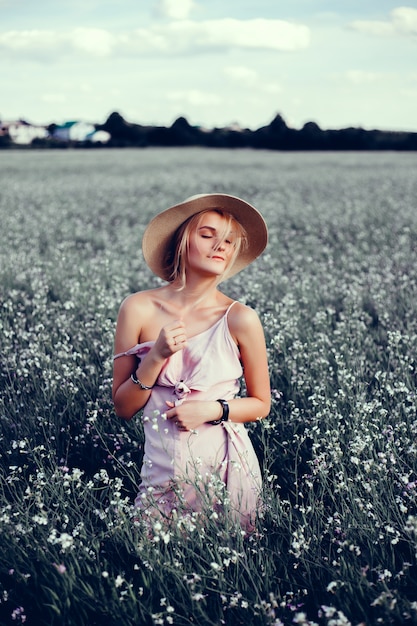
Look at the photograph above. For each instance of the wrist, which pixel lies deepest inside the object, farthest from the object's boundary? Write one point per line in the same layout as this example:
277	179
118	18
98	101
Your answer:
155	357
136	380
224	416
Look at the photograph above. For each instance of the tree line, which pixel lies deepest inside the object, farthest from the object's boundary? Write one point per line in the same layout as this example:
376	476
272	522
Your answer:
274	136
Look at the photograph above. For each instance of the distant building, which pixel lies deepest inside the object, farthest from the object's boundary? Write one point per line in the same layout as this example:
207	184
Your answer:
99	136
79	131
22	132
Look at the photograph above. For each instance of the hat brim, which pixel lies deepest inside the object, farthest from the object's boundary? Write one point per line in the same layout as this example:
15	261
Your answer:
158	237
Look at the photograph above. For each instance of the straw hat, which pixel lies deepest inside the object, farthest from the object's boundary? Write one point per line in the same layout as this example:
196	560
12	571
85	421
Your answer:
159	235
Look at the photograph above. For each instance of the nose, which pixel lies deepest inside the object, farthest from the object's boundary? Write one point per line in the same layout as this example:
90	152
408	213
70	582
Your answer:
220	245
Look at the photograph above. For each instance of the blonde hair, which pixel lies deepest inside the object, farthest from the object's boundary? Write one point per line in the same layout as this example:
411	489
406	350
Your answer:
178	253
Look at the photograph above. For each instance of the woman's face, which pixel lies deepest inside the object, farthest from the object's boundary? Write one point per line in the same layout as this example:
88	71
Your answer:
210	247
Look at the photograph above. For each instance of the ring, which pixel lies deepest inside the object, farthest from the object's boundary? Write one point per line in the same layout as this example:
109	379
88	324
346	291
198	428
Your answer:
177	423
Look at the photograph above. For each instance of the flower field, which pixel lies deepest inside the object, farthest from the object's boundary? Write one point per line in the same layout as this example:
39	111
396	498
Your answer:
336	542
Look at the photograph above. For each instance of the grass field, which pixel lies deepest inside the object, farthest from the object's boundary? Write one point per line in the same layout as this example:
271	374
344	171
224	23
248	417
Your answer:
336	292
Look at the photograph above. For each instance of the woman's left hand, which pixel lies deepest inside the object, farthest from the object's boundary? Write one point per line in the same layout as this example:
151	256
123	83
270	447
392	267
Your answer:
191	414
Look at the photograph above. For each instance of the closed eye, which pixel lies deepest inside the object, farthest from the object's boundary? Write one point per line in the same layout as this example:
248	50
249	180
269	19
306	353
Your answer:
207	232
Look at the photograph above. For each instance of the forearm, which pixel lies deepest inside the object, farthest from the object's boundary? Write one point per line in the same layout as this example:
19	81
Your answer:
130	397
248	409
191	414
241	410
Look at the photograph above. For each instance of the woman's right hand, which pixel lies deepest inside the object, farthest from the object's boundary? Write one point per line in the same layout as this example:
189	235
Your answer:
172	338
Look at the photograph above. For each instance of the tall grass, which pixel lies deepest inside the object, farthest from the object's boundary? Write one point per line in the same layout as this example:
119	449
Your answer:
336	291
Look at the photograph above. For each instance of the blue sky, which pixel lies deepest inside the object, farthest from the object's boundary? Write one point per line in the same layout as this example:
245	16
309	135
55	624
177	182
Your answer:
215	62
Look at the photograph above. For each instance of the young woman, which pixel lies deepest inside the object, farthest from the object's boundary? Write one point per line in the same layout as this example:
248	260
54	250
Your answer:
180	351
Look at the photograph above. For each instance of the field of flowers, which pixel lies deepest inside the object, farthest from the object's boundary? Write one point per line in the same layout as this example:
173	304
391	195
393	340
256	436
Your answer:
336	292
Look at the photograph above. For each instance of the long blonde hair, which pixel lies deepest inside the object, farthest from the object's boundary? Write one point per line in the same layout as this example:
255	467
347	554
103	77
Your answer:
178	254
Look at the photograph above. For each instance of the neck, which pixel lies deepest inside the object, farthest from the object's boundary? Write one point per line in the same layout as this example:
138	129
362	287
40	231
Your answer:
195	292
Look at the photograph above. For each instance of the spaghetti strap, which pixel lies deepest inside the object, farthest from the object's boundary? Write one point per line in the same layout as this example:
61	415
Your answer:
229	307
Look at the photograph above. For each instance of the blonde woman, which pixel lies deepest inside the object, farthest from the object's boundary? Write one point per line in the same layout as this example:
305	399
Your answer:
180	352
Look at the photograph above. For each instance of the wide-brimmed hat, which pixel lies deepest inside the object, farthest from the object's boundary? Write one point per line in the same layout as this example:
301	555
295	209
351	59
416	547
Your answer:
159	236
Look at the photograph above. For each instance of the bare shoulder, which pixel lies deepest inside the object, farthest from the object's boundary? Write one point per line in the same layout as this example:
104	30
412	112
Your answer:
139	301
135	313
243	319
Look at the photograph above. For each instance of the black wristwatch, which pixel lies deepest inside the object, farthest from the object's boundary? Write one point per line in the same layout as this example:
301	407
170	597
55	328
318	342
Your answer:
225	414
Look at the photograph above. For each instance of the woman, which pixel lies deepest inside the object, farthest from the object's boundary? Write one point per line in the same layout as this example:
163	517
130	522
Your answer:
180	351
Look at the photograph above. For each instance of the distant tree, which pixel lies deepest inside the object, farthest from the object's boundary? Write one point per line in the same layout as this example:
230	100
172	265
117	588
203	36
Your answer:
124	133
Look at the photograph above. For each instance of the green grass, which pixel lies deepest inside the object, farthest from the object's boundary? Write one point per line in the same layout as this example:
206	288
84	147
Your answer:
336	292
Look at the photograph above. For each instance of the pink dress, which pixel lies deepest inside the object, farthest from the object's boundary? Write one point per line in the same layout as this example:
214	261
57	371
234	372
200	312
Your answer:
213	465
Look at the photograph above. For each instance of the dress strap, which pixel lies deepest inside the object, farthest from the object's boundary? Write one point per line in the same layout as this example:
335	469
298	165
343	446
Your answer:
229	307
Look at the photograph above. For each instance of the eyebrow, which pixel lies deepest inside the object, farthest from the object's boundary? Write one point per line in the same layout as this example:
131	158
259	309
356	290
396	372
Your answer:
214	230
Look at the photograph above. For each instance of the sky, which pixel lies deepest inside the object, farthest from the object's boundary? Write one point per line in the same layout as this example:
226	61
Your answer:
215	62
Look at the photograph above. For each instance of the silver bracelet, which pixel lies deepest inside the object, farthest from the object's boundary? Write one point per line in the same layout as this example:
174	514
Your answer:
138	382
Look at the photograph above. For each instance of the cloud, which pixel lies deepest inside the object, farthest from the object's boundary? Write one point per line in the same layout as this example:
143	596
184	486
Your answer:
241	74
258	34
246	77
360	77
403	21
93	41
271	88
34	43
48	45
175	9
373	28
174	38
194	97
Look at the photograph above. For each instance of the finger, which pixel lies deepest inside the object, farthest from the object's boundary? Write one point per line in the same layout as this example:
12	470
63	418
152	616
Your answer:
180	340
172	413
